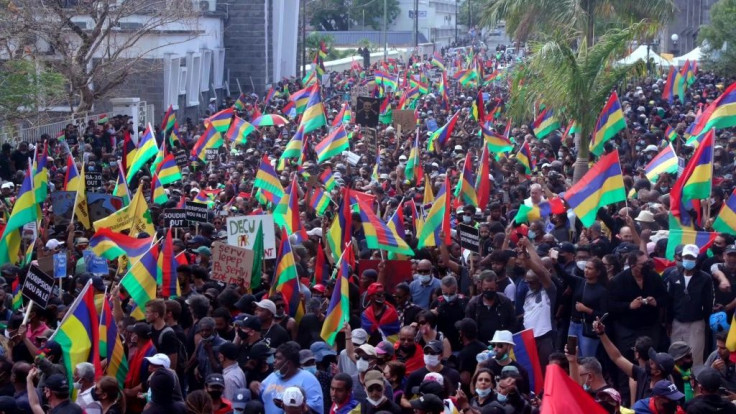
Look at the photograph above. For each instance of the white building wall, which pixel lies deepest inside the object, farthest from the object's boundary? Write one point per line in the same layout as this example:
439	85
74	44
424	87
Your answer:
436	19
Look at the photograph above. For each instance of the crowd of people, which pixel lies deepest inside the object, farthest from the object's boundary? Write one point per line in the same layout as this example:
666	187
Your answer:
634	336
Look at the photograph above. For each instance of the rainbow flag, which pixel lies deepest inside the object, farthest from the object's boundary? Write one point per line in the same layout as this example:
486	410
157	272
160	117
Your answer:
437	61
697	178
294	148
378	235
111	346
496	143
328	179
442	135
24	211
239	103
524	156
675	85
464	189
320	201
314	113
670	133
726	220
338	235
268	181
78	334
41	173
609	123
664	162
210	138
158	193
545	123
239	131
720	114
71	179
286	213
169	120
413	169
338	311
129	150
482	181
111	245
121	187
525	354
140	281
334	144
287	281
221	120
600	186
437	221
167	265
146	149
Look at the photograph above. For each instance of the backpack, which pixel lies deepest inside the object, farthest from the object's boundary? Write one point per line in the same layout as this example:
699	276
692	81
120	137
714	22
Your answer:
181	351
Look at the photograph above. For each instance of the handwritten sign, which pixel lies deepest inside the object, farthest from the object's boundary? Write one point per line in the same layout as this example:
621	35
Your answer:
38	287
196	211
405	118
175	217
230	264
241	232
95	264
60	264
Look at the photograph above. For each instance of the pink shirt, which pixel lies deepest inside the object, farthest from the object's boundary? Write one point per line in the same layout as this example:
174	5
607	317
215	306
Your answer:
34	333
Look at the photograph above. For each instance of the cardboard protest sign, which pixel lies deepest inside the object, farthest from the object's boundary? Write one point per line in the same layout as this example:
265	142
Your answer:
405	118
230	264
38	287
241	232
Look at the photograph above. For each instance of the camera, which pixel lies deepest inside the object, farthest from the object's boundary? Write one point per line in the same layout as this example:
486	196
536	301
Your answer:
645	301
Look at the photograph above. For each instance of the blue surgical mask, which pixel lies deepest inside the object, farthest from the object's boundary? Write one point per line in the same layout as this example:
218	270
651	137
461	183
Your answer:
449	298
483	393
425	278
501	398
269	360
311	369
688	264
586	387
467	219
531	234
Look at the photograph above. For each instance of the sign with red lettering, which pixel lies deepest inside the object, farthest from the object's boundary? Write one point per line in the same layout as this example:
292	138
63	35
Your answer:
242	231
230	264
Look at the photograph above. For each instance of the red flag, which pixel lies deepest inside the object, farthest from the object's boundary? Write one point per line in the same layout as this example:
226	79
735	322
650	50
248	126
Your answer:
563	396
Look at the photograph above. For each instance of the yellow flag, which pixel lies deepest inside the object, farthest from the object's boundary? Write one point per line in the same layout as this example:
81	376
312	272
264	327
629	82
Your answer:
80	206
140	215
117	221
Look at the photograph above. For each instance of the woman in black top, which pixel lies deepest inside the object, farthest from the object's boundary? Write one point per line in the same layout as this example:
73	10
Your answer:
588	302
482	386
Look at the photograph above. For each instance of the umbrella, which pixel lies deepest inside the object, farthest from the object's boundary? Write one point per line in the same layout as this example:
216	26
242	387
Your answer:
270	120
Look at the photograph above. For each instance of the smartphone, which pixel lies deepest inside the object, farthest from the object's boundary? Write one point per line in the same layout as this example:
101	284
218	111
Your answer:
572	344
603	318
554	253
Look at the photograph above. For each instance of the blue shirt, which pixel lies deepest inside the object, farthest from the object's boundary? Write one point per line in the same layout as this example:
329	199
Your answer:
422	294
273	387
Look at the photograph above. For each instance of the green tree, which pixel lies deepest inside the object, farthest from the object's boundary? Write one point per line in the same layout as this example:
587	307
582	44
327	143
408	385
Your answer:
26	87
716	34
334	15
576	17
575	84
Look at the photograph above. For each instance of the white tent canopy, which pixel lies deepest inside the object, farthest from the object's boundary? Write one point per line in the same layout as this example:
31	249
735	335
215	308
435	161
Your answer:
693	55
641	54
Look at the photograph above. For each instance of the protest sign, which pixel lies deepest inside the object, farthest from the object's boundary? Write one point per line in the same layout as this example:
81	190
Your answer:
196	211
63	205
231	264
182	159
211	154
241	232
366	111
92	177
60	263
95	264
38	287
432	124
469	237
175	217
405	118
102	205
352	158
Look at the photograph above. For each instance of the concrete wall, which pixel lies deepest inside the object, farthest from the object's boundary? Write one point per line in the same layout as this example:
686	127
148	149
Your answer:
436	19
248	45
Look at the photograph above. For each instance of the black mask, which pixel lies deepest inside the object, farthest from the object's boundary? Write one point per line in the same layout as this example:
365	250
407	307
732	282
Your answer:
215	394
242	334
489	295
95	395
686	366
408	349
716	249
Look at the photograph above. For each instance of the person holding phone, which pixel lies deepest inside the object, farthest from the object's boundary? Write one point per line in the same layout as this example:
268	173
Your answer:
588	301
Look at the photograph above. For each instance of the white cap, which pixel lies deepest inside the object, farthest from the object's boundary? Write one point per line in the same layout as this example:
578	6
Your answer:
651	148
458	147
690	250
402	157
645	217
315	232
502	337
160	360
436	377
53	244
8	185
292	397
268	305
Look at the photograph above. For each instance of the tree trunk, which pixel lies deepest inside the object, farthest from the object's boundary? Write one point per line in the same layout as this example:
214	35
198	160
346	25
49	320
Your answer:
580	168
590	32
581	163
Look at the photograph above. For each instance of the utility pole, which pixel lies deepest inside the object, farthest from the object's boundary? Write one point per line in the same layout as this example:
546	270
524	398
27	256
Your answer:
456	22
304	38
416	23
385	30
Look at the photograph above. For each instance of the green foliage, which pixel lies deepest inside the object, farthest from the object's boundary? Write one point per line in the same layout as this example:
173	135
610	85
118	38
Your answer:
24	88
720	30
332	15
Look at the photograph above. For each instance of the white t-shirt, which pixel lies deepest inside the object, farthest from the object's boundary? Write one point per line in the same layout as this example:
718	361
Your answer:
538	312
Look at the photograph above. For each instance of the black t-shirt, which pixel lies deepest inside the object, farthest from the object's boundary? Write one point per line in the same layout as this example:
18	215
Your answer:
275	336
466	358
168	344
67	407
417	377
643	382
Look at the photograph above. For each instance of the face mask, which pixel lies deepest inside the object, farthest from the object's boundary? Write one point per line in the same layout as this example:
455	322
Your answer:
489	294
408	349
716	249
424	279
560	155
501	398
688	264
467	219
483	393
686	366
501	357
311	369
531	234
215	394
379	300
449	298
77	385
678	263
581	264
377	402
269	360
431	360
664	188
242	335
586	387
362	365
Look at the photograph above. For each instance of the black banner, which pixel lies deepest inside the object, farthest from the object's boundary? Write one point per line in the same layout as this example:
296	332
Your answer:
38	287
182	159
469	237
196	211
175	217
366	113
92	177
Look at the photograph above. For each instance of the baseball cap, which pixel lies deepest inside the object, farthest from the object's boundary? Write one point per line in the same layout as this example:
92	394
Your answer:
260	351
204	250
385	348
320	350
709	378
241	398
567	247
664	388
690	250
731	248
53	244
663	360
141	329
249	321
305	356
292	397
434	346
160	360
57	383
679	349
611	392
215	379
429	403
81	240
268	305
373	377
359	336
367	349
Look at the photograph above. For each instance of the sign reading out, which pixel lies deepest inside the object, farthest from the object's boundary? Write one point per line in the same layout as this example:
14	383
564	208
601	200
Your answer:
211	154
38	287
231	264
92	177
175	217
196	211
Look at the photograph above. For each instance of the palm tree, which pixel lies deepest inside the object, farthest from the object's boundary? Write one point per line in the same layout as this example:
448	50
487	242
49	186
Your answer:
576	84
524	17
